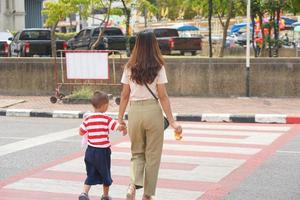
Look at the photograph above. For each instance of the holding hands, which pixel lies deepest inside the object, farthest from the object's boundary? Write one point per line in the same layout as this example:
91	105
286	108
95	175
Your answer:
122	127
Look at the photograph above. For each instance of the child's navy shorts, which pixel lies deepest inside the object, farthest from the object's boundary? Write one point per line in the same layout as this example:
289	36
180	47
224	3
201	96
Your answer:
97	163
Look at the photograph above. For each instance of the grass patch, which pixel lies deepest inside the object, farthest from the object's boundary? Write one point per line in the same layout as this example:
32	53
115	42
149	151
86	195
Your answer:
82	93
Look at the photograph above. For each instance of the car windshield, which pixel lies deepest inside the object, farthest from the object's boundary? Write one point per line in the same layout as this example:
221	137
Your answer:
5	35
35	35
165	32
109	31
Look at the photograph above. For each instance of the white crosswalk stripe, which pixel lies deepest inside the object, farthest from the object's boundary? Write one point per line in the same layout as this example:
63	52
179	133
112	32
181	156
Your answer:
203	148
236	127
118	191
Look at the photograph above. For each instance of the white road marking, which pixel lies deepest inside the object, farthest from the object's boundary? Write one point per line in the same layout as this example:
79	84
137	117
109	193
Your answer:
234	127
116	191
203	148
66	114
14	138
224	132
36	141
289	152
255	139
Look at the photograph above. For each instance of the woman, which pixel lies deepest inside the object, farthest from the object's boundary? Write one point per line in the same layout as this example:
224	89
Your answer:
145	118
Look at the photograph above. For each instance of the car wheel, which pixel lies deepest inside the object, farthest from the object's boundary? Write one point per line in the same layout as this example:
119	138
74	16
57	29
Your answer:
193	53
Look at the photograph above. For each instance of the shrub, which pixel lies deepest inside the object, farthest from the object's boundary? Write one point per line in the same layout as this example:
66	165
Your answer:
82	93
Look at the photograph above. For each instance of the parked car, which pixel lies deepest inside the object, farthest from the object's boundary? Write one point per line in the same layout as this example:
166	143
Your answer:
5	40
34	42
169	41
113	39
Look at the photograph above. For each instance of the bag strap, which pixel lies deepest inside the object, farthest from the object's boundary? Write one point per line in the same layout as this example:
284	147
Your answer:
155	97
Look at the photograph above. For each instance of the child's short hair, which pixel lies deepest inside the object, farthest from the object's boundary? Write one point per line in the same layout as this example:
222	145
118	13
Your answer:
99	99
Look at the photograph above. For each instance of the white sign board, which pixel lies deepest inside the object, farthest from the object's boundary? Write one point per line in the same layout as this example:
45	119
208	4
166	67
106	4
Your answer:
87	65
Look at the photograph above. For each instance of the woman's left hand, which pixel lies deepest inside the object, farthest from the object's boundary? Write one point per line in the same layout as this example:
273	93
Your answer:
177	127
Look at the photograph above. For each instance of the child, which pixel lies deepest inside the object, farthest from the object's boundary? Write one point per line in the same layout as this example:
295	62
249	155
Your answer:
97	159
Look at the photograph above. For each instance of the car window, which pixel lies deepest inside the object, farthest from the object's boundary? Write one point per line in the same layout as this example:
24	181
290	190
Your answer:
113	32
165	32
80	34
96	32
87	33
35	35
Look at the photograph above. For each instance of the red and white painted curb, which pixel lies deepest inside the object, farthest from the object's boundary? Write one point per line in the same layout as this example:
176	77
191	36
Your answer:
205	117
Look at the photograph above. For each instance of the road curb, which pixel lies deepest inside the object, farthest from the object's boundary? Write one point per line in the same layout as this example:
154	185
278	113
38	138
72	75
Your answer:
204	117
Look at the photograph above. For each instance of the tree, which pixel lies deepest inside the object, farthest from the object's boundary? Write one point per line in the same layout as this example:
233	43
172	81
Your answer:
293	6
210	12
257	10
274	9
141	6
105	22
228	9
56	11
174	7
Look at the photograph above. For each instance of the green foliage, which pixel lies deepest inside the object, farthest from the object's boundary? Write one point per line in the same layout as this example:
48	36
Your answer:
117	11
58	10
65	36
82	93
293	6
141	5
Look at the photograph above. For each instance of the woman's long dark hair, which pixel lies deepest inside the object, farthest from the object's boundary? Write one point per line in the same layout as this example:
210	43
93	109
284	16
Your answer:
146	59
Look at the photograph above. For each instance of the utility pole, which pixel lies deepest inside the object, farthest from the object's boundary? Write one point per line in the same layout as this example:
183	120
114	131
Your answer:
248	50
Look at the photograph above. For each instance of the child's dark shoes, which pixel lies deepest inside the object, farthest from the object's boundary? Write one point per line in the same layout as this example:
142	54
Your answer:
106	198
83	196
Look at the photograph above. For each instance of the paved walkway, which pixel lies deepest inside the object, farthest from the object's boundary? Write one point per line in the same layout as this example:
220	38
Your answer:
180	105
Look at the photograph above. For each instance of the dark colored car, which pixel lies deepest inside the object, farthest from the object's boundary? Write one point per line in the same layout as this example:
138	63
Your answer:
34	42
113	39
5	39
169	41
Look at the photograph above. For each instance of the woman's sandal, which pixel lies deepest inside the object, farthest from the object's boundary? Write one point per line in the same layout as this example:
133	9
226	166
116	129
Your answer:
130	192
146	197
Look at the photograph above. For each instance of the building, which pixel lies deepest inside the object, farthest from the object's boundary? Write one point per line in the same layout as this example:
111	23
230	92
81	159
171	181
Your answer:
19	14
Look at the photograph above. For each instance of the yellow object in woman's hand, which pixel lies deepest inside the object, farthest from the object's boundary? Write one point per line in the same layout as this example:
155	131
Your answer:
178	135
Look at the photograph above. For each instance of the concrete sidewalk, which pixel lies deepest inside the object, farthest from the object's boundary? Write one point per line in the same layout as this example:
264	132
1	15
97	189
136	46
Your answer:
269	110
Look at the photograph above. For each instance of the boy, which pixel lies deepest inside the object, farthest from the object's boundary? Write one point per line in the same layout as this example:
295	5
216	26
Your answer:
97	159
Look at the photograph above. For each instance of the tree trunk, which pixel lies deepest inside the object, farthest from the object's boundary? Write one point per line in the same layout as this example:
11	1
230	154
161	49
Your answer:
146	17
101	31
210	10
225	27
260	15
271	20
53	40
276	31
254	45
127	12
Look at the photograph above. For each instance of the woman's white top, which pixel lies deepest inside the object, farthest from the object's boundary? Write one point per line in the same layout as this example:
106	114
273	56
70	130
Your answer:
140	92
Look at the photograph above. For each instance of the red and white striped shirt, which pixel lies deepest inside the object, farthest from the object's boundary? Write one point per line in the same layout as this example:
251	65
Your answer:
98	126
